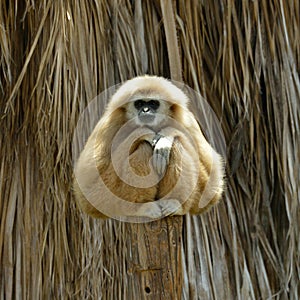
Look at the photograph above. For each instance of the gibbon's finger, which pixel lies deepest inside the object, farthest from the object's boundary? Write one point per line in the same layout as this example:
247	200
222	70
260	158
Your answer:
159	162
161	154
162	162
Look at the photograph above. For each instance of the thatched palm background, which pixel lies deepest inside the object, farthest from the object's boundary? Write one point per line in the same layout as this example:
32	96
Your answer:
243	56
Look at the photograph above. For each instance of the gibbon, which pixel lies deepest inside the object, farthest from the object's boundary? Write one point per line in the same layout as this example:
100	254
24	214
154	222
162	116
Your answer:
147	156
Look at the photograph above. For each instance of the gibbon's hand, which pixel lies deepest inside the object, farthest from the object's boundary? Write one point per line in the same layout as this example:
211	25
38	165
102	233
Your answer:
161	154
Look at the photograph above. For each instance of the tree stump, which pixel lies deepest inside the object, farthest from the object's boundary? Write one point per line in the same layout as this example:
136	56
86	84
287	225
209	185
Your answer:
155	259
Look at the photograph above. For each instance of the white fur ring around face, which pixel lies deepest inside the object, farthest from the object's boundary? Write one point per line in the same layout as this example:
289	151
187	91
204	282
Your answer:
161	153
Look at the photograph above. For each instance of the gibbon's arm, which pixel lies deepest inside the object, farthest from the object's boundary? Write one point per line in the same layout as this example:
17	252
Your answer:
194	151
211	192
87	184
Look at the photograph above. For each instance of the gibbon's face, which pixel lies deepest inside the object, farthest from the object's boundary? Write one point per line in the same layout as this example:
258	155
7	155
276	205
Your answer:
148	111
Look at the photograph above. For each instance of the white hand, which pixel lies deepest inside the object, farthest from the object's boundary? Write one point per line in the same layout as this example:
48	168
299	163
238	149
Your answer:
161	154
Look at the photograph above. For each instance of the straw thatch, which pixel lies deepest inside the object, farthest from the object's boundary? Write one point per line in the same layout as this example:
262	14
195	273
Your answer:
244	58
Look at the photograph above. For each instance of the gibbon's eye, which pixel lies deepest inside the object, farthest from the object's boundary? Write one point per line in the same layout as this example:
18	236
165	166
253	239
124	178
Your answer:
154	104
138	104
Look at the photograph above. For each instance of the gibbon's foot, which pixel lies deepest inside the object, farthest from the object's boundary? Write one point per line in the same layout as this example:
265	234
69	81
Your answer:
169	206
150	210
161	154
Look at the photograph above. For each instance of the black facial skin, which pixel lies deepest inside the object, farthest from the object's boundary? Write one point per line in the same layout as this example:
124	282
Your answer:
146	110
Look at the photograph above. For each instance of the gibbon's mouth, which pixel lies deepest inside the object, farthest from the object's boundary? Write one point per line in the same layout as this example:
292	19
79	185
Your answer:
146	117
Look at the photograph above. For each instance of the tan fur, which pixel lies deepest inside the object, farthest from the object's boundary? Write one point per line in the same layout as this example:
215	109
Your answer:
202	167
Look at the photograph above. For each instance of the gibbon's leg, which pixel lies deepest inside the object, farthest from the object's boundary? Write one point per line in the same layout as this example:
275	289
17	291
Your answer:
210	193
134	183
84	204
197	209
102	193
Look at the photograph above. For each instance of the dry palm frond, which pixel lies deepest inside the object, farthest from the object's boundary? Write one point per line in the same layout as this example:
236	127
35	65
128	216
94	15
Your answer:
244	58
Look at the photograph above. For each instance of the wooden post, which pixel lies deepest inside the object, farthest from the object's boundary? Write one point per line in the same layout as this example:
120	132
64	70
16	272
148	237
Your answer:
154	248
155	259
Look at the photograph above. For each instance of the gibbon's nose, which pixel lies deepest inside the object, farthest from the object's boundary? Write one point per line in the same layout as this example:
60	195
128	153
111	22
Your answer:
146	115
